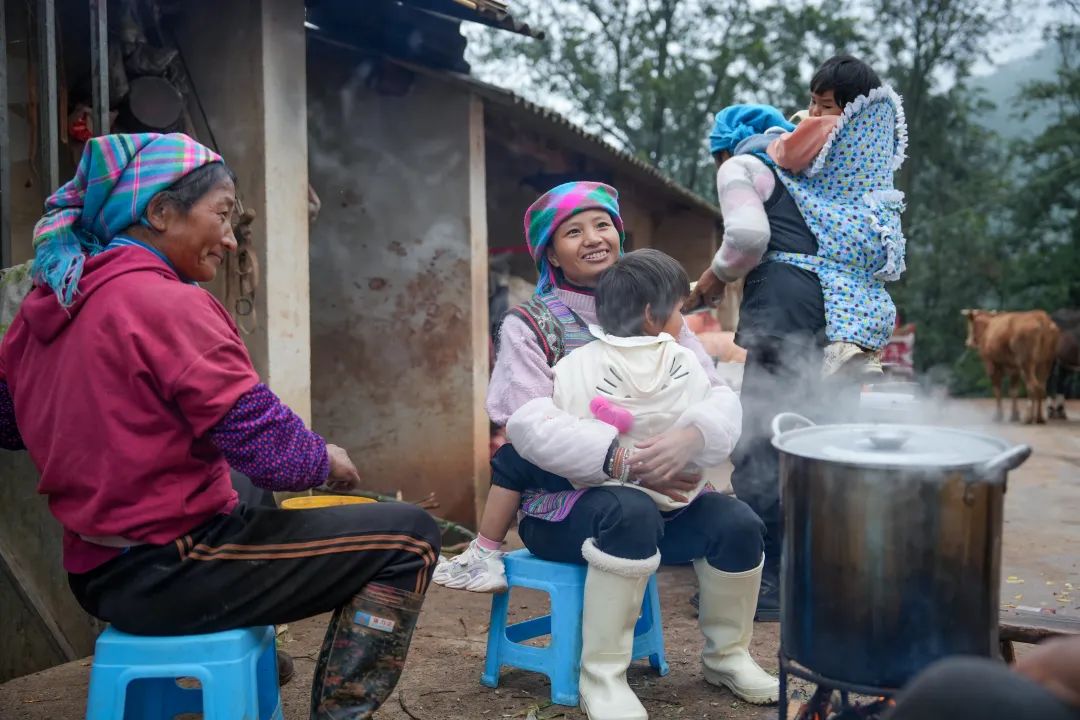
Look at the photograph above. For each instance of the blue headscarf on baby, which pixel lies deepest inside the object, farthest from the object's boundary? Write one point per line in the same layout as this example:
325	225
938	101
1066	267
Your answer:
736	123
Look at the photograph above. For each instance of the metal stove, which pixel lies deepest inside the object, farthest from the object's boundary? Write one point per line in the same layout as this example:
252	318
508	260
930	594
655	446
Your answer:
832	699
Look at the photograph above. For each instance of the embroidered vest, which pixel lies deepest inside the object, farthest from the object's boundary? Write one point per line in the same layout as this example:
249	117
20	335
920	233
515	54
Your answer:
558	329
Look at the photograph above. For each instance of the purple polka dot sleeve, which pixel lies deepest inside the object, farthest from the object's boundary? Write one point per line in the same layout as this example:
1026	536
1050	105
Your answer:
265	440
10	439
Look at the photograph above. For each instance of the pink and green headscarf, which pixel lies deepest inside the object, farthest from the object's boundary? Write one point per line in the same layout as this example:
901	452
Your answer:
555	207
117	177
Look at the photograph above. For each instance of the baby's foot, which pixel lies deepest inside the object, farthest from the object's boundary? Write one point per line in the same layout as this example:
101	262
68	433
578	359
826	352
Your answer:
476	570
850	359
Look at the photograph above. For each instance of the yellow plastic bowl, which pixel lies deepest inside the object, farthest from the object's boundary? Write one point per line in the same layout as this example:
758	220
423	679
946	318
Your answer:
322	501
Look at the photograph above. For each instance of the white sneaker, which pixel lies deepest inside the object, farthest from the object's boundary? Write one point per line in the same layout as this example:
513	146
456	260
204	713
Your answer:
476	570
837	355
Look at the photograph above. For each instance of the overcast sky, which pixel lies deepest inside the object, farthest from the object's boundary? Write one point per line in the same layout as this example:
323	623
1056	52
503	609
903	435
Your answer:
1025	38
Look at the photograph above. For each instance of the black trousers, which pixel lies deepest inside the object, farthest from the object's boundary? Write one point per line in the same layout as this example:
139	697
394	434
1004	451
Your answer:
262	566
971	687
511	471
626	523
781	375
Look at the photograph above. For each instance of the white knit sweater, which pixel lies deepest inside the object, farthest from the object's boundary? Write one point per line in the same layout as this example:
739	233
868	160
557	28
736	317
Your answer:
658	380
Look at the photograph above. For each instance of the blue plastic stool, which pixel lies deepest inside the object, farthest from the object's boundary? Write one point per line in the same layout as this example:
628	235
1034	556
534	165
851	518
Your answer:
134	677
561	659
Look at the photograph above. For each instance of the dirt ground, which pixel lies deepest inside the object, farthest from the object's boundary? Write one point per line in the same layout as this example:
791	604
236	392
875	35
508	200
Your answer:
1041	552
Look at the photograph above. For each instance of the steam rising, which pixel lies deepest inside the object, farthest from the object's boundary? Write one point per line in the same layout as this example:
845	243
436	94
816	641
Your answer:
798	386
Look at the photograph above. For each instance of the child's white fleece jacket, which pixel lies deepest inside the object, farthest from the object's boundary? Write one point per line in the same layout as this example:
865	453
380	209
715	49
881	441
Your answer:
659	381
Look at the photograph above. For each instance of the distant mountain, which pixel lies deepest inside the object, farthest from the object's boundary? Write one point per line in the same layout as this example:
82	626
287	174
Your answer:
1004	87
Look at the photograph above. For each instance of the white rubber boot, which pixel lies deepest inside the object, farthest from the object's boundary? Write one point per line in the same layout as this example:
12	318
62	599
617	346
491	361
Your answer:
726	618
614	588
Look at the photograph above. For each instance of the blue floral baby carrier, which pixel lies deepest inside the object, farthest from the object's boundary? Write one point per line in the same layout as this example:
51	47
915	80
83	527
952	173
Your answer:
848	201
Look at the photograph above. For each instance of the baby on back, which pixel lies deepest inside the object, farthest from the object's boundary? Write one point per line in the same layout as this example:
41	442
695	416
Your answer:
636	376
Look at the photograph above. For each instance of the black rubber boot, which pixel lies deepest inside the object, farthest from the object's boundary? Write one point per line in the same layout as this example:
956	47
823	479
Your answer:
285	668
363	653
768	604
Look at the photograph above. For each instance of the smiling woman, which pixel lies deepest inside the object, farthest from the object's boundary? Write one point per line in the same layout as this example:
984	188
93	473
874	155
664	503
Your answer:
602	519
134	394
584	246
191	222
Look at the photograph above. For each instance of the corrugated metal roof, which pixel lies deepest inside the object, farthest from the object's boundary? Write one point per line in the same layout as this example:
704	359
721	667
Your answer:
486	12
629	163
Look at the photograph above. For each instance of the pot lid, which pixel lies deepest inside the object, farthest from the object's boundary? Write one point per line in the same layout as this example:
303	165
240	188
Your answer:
891	445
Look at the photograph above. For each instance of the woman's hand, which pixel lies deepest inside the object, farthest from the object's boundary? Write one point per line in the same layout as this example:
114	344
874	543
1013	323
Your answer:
658	462
343	474
709	291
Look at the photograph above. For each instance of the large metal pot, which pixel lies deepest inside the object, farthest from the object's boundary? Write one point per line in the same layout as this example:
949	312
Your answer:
892	546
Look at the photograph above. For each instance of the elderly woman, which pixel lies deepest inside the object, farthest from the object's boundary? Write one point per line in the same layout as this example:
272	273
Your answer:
575	232
131	389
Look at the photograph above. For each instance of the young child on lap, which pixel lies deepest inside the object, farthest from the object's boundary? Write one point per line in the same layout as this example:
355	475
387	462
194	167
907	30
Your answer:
838	165
634	376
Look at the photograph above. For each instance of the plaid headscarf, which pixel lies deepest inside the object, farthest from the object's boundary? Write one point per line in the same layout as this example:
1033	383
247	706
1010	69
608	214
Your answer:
117	177
555	207
736	123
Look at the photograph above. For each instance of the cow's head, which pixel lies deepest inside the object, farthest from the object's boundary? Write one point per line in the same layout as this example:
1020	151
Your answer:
976	320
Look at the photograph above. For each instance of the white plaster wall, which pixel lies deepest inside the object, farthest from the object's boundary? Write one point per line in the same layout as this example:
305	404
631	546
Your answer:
397	366
247	61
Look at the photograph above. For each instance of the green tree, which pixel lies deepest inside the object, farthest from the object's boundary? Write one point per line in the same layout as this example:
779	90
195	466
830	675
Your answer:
954	251
925	45
955	179
1046	239
648	74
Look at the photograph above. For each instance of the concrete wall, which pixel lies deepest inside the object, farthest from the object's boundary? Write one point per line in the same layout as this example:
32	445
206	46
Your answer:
247	61
41	623
398	280
689	237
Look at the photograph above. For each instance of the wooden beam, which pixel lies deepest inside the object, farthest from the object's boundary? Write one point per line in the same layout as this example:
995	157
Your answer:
478	284
47	98
1035	627
5	149
99	64
9	565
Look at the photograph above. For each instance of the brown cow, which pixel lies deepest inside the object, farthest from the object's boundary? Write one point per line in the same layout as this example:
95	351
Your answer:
1015	345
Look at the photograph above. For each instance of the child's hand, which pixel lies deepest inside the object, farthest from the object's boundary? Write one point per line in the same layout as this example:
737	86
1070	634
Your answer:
708	291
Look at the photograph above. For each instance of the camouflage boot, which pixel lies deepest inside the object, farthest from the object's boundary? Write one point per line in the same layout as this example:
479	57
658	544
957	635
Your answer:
363	653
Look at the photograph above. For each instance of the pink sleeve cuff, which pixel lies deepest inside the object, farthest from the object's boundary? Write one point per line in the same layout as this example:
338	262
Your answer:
795	150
